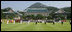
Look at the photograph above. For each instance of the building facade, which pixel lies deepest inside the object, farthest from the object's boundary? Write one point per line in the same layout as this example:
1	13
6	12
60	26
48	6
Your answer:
37	8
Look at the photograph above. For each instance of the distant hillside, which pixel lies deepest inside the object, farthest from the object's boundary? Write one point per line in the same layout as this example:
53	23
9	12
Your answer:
67	9
37	5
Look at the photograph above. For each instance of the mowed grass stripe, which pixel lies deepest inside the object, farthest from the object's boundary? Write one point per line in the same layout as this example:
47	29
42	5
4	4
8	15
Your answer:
47	27
16	26
8	26
51	27
54	27
60	27
41	27
29	27
36	27
66	26
19	27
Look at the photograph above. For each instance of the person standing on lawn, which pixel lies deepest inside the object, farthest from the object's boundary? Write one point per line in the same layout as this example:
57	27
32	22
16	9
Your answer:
36	22
53	23
45	22
62	21
70	22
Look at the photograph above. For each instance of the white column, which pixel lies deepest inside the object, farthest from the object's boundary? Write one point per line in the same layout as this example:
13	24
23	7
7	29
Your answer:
21	22
14	21
7	21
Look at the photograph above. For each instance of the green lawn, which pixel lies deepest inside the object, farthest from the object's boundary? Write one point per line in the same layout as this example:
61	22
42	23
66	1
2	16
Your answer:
33	27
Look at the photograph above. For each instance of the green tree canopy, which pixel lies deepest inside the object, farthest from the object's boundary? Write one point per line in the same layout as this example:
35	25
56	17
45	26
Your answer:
67	9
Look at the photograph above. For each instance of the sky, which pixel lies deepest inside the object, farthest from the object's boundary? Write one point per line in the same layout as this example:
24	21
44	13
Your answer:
22	5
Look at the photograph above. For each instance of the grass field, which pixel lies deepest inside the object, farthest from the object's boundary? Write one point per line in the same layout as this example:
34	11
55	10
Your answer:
36	27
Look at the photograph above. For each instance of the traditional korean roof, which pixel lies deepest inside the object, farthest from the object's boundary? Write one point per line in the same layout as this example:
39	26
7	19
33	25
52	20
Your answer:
60	11
37	7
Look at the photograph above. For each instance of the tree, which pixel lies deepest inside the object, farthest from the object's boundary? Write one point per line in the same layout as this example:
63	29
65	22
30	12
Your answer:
53	9
49	17
7	9
2	14
32	16
39	16
67	9
29	17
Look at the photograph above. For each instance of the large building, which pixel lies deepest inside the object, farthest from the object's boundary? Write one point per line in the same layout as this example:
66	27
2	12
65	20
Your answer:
37	8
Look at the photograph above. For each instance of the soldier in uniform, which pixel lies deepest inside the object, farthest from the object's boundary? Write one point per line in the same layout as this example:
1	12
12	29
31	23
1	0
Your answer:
62	21
45	22
36	22
53	23
70	22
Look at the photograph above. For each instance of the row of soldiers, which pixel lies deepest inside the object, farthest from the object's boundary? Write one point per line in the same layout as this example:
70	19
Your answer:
62	22
52	22
45	22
